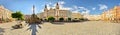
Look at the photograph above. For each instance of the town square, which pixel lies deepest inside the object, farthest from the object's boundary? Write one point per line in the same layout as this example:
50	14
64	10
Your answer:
59	17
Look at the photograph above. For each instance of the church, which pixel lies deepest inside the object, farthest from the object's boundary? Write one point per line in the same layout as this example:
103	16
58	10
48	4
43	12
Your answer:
55	12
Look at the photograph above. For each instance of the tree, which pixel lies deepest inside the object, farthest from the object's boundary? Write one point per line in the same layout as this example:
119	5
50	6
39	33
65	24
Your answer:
61	19
69	19
51	19
41	19
75	18
18	15
85	19
81	19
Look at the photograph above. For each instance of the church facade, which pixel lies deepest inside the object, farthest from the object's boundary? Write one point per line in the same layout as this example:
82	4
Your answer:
55	12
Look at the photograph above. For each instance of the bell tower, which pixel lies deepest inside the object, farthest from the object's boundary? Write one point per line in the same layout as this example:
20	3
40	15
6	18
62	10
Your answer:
45	12
57	11
45	9
57	6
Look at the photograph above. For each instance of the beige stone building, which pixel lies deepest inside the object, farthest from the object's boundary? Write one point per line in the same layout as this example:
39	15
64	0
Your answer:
112	14
94	17
105	16
5	14
76	16
57	13
54	12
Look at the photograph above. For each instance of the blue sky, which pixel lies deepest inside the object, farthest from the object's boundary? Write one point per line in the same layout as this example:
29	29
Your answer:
83	6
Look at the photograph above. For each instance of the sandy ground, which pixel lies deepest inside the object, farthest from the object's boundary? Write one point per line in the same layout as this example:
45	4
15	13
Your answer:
77	28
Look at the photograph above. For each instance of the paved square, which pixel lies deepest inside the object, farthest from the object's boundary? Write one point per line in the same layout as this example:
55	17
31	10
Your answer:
73	28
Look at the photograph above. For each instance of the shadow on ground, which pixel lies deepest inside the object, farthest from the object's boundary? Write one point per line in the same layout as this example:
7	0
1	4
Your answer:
61	23
58	23
33	28
1	31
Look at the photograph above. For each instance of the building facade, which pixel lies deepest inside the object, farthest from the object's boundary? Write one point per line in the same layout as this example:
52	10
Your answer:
56	13
76	16
5	14
112	14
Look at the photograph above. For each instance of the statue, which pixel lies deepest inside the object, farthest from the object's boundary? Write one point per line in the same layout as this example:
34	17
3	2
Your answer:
34	19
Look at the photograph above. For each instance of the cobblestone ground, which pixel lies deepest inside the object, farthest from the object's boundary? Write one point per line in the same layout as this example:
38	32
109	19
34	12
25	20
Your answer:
72	28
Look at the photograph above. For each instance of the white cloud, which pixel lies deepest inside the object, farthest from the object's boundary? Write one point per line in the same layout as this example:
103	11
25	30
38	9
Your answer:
119	3
42	10
65	8
75	7
76	11
49	5
94	8
103	7
61	2
84	11
82	8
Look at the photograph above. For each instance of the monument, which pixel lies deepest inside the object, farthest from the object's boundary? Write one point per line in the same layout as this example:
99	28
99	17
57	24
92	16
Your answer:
34	19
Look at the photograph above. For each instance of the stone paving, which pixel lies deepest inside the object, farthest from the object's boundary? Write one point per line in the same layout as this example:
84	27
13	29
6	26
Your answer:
73	28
